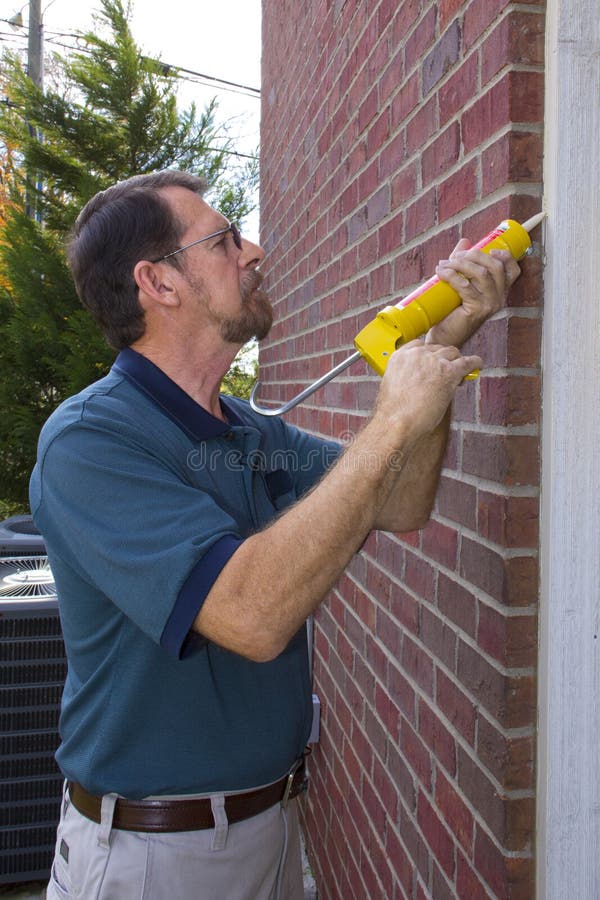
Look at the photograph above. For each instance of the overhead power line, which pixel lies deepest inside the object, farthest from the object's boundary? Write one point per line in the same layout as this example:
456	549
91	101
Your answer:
168	70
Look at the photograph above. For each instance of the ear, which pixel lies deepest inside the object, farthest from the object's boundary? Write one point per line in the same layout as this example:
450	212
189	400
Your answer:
156	281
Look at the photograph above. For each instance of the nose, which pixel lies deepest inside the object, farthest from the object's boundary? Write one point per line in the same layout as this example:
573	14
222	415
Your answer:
251	254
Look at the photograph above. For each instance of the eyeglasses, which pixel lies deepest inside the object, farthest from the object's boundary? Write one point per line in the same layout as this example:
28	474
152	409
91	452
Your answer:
232	227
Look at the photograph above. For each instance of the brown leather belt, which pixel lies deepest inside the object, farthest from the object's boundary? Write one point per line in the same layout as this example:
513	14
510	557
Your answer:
188	815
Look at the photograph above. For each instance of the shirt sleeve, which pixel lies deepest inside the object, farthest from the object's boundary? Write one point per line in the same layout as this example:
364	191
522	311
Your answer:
127	524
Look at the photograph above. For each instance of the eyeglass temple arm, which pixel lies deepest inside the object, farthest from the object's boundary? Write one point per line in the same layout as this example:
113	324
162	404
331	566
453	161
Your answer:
279	410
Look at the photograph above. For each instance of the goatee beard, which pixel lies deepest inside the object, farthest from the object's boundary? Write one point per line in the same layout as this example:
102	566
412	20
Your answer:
256	317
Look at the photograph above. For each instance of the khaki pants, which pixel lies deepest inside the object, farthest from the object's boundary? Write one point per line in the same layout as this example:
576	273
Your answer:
257	859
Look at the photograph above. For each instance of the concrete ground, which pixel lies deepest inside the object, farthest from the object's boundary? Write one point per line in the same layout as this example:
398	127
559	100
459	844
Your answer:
35	891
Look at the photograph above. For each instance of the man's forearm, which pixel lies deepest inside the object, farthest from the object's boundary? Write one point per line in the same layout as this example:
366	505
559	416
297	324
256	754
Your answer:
278	576
412	496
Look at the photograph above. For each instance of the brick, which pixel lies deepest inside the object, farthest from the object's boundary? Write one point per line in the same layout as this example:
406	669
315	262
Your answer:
458	191
404	184
468	884
526	96
405	101
488	114
457	501
510	699
437	737
417	664
511	819
436	834
390	552
457	604
388	712
478	17
422	126
417	755
456	813
378	206
516	156
518	39
443	56
508	521
458	89
405	15
419	576
523	341
439	637
447	9
421	38
404	608
389	632
512	640
510	400
509	459
511	760
510	877
415	844
400	860
511	580
456	706
443	153
439	885
402	693
440	543
420	215
438	246
373	806
402	777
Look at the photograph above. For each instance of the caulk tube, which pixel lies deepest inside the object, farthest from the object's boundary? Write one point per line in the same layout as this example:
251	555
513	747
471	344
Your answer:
415	314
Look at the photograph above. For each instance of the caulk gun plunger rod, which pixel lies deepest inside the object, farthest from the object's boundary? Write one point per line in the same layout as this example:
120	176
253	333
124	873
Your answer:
412	316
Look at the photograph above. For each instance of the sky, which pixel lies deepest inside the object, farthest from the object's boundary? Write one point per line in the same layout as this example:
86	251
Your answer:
217	40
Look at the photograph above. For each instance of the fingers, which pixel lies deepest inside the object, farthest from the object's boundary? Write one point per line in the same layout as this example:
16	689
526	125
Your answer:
461	247
478	268
461	365
453	362
480	277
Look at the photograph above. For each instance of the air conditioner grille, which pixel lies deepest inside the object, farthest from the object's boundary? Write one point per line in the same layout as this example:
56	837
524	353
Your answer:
13	628
41	673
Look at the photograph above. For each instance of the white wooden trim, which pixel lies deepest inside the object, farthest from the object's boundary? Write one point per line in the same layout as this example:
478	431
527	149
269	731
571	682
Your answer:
568	834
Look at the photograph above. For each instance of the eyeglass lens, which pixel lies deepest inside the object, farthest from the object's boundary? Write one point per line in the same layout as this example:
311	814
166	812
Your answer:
237	237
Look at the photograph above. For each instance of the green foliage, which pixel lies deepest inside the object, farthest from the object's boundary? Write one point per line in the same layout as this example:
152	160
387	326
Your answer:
241	377
116	116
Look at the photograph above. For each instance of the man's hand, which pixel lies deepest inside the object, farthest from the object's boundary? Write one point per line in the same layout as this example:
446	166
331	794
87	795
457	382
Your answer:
482	281
418	386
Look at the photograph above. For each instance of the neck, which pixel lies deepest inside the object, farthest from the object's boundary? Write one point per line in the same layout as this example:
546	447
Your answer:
198	371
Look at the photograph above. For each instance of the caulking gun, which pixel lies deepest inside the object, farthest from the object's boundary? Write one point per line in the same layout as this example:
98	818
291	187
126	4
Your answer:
412	316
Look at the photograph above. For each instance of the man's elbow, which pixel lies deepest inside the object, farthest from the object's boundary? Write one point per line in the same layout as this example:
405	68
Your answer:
407	523
257	646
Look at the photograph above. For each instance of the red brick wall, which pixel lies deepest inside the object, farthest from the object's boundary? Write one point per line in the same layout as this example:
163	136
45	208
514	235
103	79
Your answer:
389	130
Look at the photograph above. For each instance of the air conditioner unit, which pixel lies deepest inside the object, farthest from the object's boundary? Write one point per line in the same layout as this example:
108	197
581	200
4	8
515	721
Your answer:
32	674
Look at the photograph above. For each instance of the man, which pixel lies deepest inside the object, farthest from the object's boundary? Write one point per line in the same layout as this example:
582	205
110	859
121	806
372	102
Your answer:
190	538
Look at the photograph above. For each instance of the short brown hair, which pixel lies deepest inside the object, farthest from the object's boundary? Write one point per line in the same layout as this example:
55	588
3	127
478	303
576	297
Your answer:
115	229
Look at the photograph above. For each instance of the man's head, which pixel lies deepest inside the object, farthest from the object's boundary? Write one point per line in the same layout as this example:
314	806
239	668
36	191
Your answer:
129	246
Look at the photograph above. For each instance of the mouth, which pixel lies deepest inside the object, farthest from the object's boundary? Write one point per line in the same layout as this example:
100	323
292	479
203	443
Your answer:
250	287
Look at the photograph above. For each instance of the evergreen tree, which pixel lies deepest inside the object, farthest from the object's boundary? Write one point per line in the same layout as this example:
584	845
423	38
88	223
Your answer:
117	116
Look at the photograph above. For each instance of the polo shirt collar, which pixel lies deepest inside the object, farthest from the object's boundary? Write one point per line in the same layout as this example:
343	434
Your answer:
174	402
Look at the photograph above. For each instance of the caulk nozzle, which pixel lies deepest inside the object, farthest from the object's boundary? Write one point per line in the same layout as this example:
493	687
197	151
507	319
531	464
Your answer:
530	224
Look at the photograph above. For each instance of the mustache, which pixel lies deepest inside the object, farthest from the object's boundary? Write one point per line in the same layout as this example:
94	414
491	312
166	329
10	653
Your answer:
251	283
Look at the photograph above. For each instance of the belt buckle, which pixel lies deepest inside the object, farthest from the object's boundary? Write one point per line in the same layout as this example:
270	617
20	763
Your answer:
290	782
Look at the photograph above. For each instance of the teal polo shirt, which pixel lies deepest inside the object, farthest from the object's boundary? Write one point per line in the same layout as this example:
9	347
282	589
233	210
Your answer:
142	497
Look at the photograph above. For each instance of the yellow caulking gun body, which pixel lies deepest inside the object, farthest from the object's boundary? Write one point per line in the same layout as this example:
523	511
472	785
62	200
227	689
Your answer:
412	316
